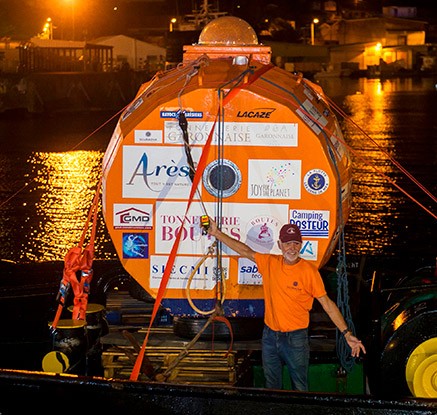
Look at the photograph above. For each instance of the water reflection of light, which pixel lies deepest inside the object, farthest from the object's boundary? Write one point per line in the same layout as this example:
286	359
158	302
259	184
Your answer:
373	207
378	89
65	184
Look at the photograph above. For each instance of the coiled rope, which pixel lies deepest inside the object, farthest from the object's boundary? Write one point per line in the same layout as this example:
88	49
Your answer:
343	349
210	253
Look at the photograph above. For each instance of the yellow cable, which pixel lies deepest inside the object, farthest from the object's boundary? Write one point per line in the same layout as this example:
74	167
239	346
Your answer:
187	290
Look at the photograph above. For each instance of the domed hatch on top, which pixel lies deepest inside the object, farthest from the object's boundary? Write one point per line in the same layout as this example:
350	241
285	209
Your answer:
228	31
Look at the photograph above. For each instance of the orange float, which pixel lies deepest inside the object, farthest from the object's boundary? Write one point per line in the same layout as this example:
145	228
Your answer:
228	135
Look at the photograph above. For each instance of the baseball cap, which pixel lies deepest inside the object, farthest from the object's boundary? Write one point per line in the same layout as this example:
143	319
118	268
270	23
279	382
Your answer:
290	233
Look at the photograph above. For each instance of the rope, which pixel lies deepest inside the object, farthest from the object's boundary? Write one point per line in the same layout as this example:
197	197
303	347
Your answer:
343	349
79	259
71	149
188	288
396	163
219	202
200	62
214	317
167	271
367	161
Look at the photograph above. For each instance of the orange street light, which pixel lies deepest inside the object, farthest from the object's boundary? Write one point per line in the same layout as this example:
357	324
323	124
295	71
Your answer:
314	22
48	28
172	22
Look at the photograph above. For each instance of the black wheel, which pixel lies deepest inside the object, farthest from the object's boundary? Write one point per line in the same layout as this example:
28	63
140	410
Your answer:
139	293
242	328
418	324
118	281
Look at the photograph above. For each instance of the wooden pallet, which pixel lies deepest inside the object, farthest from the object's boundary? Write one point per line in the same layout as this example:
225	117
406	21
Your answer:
198	367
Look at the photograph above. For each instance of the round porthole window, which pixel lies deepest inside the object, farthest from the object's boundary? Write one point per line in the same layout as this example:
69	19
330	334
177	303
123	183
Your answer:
222	176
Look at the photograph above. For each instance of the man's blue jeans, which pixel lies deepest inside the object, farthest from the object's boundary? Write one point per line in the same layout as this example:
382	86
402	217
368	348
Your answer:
290	348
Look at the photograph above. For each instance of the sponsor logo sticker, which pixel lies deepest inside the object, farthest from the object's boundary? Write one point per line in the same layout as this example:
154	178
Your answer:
248	273
262	233
312	223
135	245
147	136
234	133
175	114
316	181
127	216
274	179
309	250
205	277
256	113
156	172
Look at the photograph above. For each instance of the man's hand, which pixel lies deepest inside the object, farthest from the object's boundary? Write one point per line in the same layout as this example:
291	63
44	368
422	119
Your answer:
355	344
239	247
212	229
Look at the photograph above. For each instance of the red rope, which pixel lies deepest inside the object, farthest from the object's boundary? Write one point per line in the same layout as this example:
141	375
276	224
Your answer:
199	171
228	324
79	259
167	271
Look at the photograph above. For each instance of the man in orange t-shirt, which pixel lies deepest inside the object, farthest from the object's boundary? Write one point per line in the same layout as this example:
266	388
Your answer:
290	285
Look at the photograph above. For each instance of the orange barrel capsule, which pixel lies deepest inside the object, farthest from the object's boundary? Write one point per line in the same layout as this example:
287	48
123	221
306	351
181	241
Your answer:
267	150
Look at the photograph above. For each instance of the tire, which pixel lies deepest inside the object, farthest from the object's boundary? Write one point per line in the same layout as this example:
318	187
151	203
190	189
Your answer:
118	280
419	324
139	293
242	328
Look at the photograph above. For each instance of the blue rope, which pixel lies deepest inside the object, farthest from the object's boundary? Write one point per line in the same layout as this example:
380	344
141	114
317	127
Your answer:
343	349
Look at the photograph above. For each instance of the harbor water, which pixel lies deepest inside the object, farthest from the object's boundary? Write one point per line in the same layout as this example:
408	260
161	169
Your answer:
50	166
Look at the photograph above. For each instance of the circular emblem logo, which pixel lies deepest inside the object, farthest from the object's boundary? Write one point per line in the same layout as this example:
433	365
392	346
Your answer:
316	181
223	178
261	233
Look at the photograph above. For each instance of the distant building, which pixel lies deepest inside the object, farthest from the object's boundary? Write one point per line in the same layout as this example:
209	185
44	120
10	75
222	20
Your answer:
104	54
134	54
49	55
396	11
297	57
9	56
375	45
396	43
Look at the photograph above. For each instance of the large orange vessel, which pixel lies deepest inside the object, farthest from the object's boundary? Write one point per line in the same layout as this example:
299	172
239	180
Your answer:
228	135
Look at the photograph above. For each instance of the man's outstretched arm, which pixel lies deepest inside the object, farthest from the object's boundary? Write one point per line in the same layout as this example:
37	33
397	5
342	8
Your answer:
237	246
337	318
